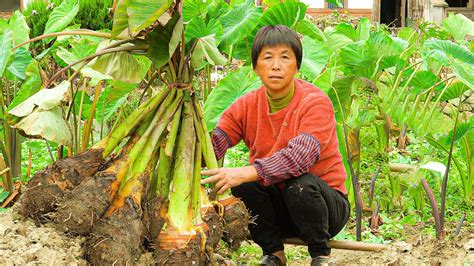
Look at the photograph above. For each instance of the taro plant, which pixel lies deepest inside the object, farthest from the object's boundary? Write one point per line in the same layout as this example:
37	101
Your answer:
159	145
438	214
461	62
463	139
409	75
15	79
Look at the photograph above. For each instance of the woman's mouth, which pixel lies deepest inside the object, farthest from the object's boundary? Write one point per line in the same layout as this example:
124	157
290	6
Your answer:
275	77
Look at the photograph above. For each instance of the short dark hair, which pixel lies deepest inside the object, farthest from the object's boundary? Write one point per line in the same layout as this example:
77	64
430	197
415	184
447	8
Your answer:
273	36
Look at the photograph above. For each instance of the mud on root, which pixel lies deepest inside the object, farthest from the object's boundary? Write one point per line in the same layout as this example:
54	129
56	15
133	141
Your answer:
49	185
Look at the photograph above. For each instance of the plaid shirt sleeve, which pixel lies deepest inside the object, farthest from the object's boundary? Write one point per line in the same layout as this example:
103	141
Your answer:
221	142
295	160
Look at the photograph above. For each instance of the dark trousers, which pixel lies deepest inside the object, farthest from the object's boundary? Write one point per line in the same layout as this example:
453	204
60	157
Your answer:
306	208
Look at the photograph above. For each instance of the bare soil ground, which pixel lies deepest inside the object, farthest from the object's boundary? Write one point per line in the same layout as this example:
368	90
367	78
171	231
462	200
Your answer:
24	243
425	252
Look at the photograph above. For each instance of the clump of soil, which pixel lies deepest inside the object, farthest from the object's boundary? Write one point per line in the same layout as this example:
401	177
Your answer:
215	224
116	239
48	185
85	204
236	220
38	200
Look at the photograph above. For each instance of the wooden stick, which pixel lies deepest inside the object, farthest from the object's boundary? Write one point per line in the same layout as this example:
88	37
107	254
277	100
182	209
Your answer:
30	162
339	244
10	198
401	167
4	171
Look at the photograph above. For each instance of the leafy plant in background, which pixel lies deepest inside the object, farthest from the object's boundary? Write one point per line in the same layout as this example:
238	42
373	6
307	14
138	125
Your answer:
16	80
60	18
463	140
92	14
21	78
37	14
464	132
338	3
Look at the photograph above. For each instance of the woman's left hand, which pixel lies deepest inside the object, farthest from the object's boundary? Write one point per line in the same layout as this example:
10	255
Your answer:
226	178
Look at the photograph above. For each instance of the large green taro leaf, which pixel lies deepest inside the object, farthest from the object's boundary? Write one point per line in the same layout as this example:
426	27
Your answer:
195	8
454	91
197	28
315	58
454	56
61	17
120	23
286	13
458	26
163	41
307	28
121	66
43	100
48	124
31	85
21	59
239	22
144	13
20	29
227	91
206	50
5	50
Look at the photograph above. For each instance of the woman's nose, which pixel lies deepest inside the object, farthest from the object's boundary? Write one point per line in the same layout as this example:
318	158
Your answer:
276	65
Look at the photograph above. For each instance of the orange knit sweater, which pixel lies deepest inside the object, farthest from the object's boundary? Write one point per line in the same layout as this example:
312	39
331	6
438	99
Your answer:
265	134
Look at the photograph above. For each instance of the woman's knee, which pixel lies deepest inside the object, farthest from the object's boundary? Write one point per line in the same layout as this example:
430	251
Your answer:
302	185
302	189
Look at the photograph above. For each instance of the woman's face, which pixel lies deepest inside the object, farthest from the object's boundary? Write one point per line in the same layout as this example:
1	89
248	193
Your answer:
276	67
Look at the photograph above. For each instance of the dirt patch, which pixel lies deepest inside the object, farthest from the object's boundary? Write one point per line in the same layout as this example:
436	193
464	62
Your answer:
425	251
22	242
418	251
